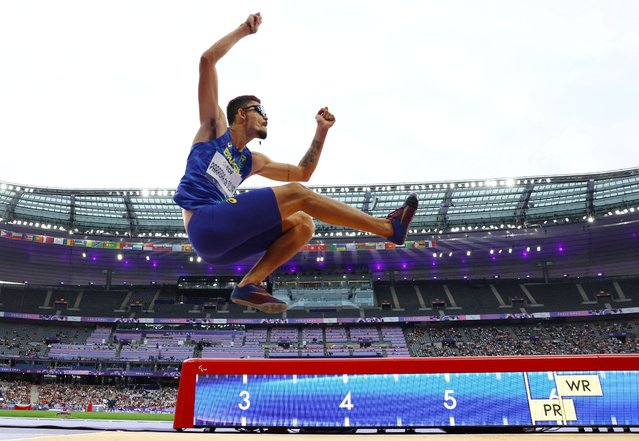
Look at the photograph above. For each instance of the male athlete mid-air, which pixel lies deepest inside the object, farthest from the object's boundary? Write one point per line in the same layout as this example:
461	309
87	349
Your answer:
278	221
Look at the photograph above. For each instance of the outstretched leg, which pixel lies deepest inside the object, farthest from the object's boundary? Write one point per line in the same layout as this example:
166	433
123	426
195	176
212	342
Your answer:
295	197
297	204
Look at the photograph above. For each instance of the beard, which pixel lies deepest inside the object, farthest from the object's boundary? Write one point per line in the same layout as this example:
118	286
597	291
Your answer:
261	133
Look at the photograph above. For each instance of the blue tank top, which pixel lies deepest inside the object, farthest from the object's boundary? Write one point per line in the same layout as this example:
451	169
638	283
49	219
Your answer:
214	169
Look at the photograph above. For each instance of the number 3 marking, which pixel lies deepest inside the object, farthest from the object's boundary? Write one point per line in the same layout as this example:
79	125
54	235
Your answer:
449	401
246	403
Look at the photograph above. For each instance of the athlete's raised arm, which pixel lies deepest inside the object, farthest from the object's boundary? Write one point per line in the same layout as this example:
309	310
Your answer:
302	172
212	120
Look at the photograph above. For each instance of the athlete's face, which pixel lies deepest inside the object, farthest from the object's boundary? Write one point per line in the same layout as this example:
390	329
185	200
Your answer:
256	119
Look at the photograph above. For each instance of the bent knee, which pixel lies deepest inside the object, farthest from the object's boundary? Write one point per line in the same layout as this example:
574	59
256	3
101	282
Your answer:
296	188
304	223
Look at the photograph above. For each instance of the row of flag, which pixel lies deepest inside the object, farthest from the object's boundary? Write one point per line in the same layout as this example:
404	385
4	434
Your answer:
150	246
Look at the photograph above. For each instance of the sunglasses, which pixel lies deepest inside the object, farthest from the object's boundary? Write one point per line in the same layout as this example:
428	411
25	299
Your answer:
258	108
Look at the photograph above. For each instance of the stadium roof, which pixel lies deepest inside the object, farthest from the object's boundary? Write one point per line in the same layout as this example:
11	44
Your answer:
445	207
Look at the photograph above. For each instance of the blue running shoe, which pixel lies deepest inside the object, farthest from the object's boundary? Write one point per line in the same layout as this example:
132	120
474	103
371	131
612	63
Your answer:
401	218
258	298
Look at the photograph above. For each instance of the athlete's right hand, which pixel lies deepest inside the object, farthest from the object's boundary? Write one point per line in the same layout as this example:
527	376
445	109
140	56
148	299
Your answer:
254	21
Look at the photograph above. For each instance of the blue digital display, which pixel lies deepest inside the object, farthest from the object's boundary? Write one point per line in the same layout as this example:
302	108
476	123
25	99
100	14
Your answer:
606	398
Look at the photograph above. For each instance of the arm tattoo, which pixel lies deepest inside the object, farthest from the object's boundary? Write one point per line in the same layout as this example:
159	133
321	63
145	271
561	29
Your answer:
311	155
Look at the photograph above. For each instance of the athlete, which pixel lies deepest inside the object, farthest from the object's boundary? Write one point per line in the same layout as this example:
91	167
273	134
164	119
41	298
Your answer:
278	221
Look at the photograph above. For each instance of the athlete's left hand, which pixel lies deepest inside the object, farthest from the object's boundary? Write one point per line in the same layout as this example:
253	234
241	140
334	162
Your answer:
324	118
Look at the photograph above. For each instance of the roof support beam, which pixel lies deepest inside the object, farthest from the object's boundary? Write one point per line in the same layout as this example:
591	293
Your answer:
10	212
590	197
442	215
131	216
522	205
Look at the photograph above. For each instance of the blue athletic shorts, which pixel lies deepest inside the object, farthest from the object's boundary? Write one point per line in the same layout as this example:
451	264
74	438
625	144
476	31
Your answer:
239	227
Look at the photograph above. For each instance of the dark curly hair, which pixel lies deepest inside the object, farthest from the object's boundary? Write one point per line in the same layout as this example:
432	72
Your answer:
238	103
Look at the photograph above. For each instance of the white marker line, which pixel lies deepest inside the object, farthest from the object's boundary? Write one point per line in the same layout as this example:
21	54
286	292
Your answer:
447	378
244	379
294	379
243	421
399	422
504	421
347	422
498	375
345	378
614	420
452	421
396	377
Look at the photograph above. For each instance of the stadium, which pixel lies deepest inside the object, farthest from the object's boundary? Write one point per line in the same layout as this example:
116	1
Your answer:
103	297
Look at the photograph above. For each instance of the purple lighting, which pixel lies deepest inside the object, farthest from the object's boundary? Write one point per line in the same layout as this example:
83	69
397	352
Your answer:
155	264
560	248
378	266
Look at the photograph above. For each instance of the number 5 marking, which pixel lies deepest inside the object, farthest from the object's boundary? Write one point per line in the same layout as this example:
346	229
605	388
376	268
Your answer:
246	403
449	401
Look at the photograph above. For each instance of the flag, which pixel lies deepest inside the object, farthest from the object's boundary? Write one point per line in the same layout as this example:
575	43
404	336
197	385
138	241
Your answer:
113	245
54	240
6	234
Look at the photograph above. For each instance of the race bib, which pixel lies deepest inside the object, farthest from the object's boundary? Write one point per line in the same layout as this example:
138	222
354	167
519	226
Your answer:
222	174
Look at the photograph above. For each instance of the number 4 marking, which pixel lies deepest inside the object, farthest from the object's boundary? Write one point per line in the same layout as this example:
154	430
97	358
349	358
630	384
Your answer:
347	402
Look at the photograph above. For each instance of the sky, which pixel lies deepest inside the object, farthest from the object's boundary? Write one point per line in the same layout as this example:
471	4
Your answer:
97	94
